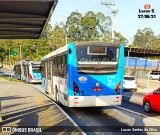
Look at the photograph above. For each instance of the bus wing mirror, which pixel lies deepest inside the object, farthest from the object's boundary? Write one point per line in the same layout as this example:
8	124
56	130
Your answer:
69	51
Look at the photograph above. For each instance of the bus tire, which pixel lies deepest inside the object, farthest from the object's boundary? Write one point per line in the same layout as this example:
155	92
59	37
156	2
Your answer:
46	87
46	92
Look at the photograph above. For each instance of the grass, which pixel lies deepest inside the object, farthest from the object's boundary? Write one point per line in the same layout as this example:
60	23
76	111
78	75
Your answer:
10	79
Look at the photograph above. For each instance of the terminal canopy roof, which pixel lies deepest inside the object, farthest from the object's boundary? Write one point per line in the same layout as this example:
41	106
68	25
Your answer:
141	52
24	19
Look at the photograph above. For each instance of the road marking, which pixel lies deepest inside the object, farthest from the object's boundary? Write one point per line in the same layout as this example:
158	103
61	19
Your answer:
70	119
140	114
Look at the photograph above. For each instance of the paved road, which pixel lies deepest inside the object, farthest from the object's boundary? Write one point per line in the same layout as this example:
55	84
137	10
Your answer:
133	100
98	119
22	105
135	104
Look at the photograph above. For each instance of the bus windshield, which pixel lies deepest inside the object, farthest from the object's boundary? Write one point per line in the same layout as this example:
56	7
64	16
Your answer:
97	54
36	68
97	59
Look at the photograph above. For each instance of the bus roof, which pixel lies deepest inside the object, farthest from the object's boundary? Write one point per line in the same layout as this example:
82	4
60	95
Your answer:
58	51
81	43
19	62
26	62
31	61
96	43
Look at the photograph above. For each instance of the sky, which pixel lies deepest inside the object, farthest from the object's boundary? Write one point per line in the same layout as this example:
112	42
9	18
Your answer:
126	19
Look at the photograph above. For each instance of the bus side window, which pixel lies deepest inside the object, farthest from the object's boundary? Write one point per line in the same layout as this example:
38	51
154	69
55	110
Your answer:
60	64
25	73
54	66
19	69
48	68
65	62
44	69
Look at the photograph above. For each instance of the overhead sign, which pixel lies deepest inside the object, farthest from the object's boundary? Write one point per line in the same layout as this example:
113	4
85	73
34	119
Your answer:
14	52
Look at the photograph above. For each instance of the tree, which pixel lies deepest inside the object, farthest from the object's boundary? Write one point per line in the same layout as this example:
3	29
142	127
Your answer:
73	26
103	27
155	43
46	35
89	27
120	39
3	54
59	35
88	24
143	38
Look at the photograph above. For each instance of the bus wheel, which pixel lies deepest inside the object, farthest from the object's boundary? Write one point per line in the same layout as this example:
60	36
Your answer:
46	92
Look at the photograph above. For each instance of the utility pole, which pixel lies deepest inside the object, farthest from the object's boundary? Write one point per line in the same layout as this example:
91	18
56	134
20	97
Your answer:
114	11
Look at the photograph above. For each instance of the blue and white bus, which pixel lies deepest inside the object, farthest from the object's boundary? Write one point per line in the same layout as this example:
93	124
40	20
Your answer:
17	70
83	74
31	71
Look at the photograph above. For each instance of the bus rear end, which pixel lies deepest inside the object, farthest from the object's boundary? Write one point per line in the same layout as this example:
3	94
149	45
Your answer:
95	74
35	75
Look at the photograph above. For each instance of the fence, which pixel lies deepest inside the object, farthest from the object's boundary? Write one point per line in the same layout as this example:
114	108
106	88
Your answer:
142	76
142	63
141	69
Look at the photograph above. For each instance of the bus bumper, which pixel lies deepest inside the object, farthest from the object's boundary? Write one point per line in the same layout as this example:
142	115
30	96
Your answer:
35	81
89	101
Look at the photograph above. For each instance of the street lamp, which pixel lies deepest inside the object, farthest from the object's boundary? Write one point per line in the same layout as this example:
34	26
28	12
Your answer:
10	59
114	12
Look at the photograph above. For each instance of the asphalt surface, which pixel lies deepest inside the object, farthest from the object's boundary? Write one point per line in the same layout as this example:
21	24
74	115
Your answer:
95	120
107	120
133	101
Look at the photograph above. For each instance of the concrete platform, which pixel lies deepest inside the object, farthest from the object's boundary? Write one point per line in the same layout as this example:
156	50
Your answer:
25	109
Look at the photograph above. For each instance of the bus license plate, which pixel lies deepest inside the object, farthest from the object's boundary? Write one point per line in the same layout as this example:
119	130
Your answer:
97	89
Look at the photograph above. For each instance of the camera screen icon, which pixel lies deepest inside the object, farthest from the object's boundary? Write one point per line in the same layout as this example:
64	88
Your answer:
6	129
147	6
